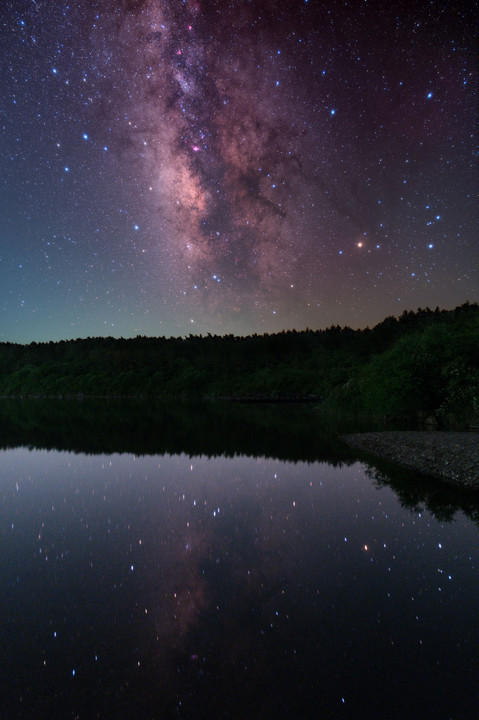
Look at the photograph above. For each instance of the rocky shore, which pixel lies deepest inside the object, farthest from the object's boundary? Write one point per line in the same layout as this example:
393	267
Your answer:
452	457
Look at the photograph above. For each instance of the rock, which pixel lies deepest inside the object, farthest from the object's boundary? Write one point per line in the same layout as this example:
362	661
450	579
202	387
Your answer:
449	456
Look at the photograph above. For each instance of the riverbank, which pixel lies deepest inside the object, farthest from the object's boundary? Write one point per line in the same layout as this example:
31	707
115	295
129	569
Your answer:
452	457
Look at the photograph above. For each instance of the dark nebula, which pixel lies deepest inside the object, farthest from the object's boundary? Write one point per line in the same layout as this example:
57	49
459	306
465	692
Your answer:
177	167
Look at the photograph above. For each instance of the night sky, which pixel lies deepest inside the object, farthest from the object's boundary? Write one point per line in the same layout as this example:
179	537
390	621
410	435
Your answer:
176	167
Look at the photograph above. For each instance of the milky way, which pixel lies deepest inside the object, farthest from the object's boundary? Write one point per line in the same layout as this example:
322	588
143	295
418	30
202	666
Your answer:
219	154
184	167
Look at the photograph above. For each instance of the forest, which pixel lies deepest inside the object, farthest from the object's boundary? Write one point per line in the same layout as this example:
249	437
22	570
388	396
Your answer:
423	363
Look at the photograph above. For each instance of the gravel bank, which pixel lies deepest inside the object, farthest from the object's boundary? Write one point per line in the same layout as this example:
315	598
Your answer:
450	456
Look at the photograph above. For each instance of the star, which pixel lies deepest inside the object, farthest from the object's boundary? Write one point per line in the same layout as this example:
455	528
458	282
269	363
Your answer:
252	144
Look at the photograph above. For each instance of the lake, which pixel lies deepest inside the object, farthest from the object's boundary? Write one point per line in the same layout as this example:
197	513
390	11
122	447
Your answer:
297	582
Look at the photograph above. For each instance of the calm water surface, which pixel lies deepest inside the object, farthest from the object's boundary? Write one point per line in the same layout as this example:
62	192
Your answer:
177	586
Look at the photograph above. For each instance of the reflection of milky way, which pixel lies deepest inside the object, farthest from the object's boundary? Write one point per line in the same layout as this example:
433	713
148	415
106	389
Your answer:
220	156
195	587
211	536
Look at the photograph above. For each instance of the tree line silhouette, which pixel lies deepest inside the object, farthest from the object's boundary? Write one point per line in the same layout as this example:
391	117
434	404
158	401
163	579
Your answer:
423	362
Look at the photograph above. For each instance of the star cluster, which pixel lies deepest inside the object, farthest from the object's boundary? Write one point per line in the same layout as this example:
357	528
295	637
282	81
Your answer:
246	166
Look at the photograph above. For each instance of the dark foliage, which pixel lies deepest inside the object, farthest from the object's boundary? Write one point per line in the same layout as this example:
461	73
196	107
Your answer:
422	362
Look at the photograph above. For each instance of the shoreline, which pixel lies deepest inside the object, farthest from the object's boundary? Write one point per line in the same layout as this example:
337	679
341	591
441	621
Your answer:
452	457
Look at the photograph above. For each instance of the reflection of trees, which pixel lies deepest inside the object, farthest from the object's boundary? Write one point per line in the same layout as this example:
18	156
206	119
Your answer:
147	427
416	492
